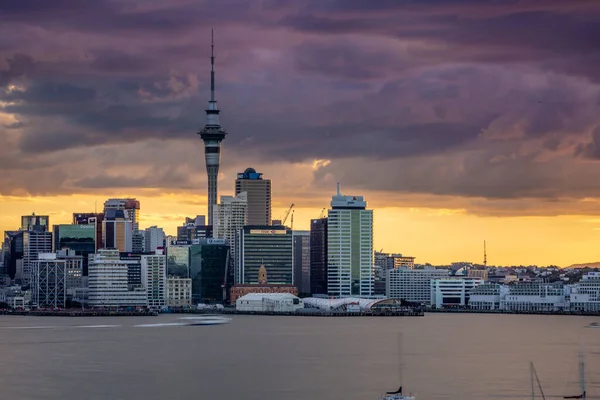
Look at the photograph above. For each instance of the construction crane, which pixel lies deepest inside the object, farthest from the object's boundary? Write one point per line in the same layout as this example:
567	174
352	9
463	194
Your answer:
286	215
292	220
322	215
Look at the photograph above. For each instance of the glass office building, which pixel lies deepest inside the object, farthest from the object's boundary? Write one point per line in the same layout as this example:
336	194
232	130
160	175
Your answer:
208	269
80	238
178	258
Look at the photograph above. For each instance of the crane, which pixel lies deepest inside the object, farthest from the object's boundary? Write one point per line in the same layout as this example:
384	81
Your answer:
292	220
287	214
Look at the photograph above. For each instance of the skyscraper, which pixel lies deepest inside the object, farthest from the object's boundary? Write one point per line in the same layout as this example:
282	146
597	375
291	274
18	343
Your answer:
91	219
349	247
259	196
301	253
318	256
39	223
154	237
117	231
130	208
212	135
229	217
34	242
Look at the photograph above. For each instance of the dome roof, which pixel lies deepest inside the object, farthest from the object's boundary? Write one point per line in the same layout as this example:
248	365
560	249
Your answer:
250	171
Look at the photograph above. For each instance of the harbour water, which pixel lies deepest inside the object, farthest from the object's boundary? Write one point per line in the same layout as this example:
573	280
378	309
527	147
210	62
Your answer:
445	357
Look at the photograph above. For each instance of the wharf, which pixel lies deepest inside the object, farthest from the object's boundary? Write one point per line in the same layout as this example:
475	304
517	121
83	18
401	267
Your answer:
414	313
514	312
70	313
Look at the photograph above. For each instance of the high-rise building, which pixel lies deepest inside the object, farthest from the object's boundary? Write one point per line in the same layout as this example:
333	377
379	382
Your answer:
48	281
154	278
154	238
73	267
94	219
13	252
258	194
194	228
349	247
79	238
34	243
38	223
301	257
229	217
130	208
318	256
212	135
209	261
268	246
117	231
178	258
108	281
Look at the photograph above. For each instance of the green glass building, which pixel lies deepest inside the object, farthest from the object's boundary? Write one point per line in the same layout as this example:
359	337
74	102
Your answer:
208	269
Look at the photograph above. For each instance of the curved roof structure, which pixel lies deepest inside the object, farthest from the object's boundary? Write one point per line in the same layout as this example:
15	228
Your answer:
338	304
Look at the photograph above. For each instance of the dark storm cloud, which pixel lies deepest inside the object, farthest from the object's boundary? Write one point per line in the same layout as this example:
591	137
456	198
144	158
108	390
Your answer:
463	98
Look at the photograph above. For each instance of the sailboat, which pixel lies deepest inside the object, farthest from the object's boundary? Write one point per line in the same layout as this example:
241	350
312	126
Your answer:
583	394
533	374
397	395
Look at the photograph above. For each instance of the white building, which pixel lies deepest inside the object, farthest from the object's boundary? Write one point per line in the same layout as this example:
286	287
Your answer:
452	291
585	295
536	297
273	302
412	285
179	291
48	281
487	296
349	247
108	281
229	217
154	278
154	238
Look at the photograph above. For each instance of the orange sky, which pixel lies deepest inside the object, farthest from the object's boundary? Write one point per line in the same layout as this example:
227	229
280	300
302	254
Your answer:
432	235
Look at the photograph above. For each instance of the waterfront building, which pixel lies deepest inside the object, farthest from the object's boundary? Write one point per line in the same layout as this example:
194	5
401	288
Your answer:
229	217
38	223
34	243
154	278
412	285
117	231
318	256
178	258
536	297
209	260
262	286
453	291
94	219
269	302
585	295
73	268
79	238
266	245
488	296
48	281
258	195
154	237
212	135
349	247
109	283
301	260
129	207
179	291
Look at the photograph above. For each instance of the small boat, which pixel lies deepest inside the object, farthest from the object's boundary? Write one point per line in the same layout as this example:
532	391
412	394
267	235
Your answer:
593	325
583	394
206	320
397	395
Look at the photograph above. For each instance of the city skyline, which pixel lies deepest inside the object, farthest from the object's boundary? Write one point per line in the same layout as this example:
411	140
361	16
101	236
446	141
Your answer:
471	122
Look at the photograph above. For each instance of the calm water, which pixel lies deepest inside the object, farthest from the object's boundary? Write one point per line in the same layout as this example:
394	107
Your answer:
449	357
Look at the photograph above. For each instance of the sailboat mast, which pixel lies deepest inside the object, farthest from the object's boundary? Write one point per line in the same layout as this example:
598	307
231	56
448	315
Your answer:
531	377
582	374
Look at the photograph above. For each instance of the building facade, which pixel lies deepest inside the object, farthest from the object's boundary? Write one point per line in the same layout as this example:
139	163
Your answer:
229	217
179	291
38	223
109	283
453	291
154	237
73	268
154	279
79	238
266	245
209	262
258	195
412	285
34	243
318	256
48	282
117	231
130	208
94	219
349	247
301	260
178	258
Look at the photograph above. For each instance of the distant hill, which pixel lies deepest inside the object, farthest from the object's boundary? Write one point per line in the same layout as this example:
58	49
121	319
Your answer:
595	264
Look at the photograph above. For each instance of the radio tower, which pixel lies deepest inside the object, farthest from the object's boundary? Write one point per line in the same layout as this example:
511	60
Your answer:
484	255
212	135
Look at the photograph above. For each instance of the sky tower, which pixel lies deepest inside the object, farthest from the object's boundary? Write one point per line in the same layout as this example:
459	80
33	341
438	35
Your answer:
212	135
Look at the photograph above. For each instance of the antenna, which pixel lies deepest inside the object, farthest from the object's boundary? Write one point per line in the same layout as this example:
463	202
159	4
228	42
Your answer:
484	255
339	193
212	65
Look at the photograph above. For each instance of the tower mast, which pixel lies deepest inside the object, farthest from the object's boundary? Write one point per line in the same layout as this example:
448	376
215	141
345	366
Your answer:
212	135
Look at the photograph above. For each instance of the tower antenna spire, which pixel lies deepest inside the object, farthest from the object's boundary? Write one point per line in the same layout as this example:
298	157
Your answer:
212	65
484	255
